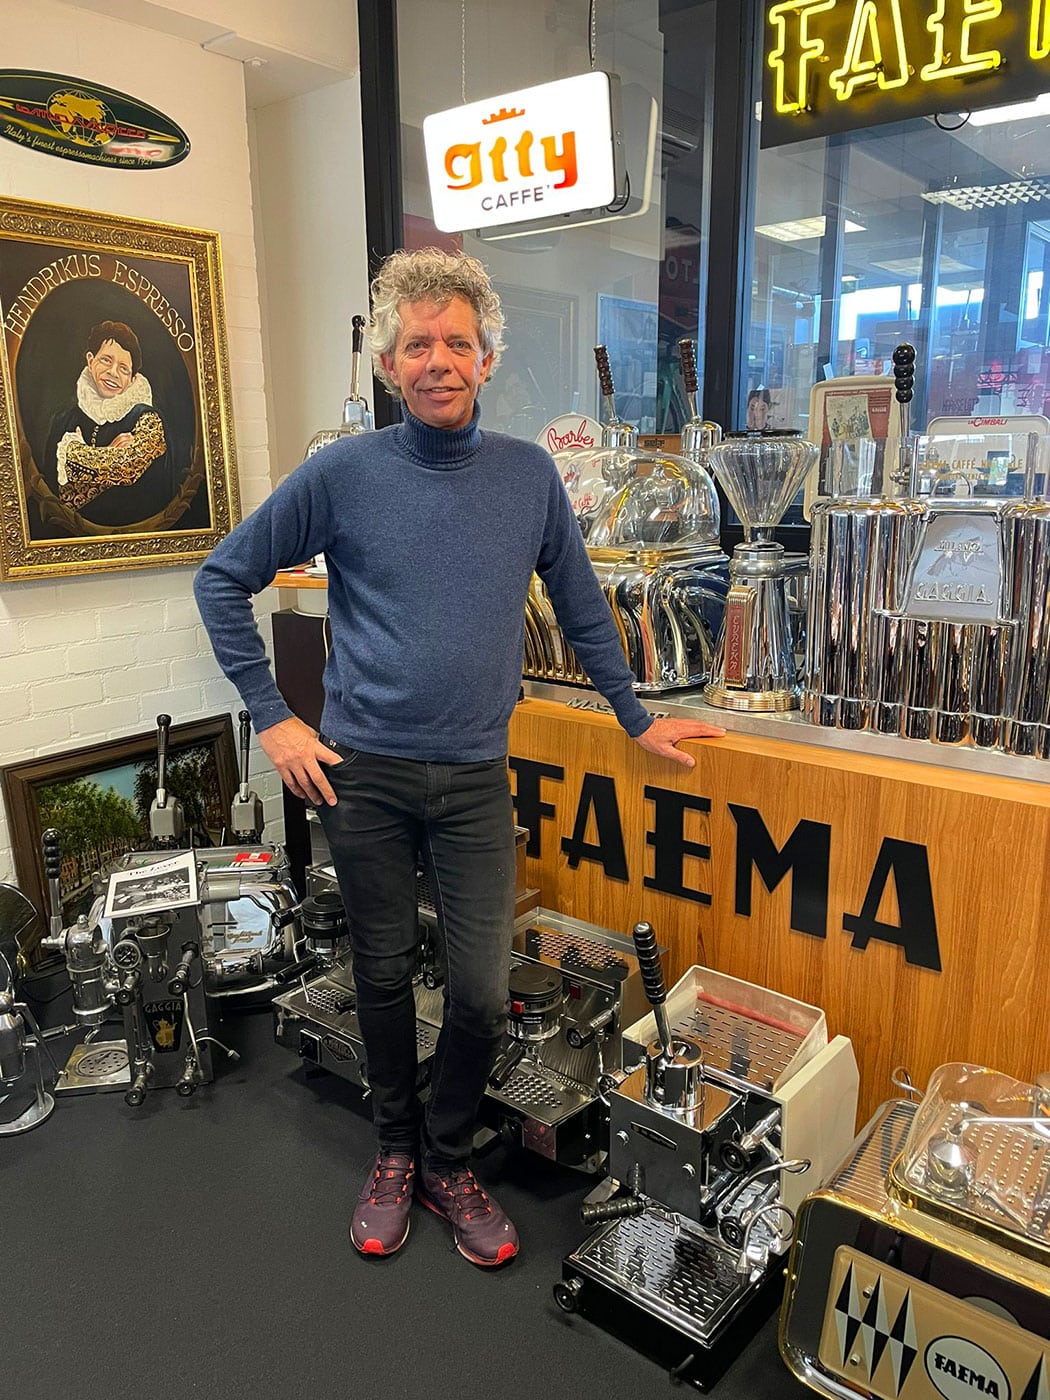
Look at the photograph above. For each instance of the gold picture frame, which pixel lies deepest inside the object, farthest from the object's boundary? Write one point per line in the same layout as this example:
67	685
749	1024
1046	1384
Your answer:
116	421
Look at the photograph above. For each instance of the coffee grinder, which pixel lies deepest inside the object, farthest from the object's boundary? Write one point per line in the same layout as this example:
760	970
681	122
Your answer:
755	666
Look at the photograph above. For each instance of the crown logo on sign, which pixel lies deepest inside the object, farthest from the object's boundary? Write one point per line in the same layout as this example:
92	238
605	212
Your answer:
503	115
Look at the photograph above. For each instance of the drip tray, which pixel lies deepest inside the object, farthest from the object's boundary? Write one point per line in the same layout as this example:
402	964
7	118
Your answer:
101	1065
542	1094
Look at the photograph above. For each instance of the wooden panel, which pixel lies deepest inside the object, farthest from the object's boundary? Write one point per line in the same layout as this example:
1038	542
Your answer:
977	845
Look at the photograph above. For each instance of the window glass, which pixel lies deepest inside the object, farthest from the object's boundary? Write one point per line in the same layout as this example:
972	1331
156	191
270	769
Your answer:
934	231
635	284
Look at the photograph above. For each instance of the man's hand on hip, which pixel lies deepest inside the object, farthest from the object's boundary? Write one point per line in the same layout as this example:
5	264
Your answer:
296	752
663	736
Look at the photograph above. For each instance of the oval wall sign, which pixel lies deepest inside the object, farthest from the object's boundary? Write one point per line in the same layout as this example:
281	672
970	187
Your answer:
80	120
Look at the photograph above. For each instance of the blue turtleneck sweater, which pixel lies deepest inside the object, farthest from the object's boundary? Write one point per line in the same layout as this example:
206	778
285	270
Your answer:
431	537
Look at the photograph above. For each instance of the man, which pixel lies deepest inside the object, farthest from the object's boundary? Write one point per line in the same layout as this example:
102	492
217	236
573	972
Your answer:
431	531
106	455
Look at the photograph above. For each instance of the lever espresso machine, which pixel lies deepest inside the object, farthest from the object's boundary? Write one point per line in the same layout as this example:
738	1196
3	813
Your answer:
732	1096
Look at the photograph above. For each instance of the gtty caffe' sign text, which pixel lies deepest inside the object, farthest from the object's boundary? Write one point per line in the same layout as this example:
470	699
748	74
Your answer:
836	65
524	155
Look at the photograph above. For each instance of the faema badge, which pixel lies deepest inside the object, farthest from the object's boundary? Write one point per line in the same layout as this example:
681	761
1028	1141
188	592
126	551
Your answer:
524	155
79	120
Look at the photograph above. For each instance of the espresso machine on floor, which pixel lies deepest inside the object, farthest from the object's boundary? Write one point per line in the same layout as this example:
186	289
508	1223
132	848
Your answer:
316	1017
733	1101
573	989
921	1269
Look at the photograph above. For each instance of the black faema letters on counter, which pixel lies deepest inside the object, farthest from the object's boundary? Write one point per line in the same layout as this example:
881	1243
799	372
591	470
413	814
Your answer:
900	866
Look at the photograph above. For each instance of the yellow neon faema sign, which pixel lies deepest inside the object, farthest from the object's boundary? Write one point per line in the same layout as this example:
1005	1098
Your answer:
876	53
1039	30
806	49
952	25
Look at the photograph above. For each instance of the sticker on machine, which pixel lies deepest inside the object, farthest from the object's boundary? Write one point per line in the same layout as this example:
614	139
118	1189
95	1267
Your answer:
890	1335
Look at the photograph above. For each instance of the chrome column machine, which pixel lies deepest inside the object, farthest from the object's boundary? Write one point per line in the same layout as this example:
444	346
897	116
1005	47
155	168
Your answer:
921	1269
731	1093
170	930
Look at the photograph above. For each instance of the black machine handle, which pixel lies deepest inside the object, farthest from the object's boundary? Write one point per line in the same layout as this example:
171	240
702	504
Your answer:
180	980
904	372
506	1064
245	721
687	360
649	963
295	970
358	334
163	725
52	844
605	379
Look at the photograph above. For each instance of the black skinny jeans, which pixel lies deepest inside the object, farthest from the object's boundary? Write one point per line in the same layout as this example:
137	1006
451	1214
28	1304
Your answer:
458	817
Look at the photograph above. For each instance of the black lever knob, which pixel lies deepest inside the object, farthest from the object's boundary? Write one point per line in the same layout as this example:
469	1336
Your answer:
52	844
649	963
687	360
605	379
358	325
904	372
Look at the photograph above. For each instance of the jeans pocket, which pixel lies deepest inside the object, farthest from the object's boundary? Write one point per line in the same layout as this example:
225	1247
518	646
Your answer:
345	752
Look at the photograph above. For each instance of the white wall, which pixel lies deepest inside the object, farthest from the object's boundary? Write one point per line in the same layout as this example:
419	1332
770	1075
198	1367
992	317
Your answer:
90	658
313	267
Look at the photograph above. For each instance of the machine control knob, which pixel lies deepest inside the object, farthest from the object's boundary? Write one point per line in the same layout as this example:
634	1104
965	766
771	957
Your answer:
623	1137
567	1293
689	1170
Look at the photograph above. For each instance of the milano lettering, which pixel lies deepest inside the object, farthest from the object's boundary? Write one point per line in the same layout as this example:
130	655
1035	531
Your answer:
805	856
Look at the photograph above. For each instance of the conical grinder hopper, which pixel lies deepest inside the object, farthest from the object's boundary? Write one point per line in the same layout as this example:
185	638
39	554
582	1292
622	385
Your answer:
761	474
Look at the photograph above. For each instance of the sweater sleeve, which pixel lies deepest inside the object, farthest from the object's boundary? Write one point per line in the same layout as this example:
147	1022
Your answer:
583	612
289	527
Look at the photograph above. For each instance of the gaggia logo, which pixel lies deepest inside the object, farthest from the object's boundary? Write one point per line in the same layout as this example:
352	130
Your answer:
962	1370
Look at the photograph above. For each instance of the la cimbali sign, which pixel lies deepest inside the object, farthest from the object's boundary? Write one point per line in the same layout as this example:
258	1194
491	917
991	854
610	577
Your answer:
836	65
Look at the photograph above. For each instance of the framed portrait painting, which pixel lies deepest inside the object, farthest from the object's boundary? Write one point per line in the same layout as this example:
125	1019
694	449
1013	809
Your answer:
116	427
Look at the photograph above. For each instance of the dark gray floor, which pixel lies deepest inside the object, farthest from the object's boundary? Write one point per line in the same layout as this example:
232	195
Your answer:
198	1247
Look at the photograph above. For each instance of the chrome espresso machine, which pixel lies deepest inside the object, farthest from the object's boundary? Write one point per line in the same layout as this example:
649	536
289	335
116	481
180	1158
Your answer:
921	1269
731	1100
651	520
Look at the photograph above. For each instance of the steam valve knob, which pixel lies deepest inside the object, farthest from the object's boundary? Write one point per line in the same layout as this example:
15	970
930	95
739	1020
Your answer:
137	1093
181	977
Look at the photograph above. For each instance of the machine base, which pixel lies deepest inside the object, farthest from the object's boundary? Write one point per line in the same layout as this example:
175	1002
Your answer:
101	1065
676	1305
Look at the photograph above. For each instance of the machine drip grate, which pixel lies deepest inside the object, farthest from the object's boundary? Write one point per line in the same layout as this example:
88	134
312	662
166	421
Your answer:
736	1044
675	1272
530	1091
99	1062
866	1169
570	950
327	997
426	1039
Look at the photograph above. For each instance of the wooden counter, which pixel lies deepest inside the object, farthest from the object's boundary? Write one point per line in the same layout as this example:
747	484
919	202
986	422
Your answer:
911	902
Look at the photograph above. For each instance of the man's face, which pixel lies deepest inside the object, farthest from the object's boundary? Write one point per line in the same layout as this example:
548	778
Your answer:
110	369
437	362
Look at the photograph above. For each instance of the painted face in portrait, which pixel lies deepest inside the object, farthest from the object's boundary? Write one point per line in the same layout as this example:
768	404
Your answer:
110	369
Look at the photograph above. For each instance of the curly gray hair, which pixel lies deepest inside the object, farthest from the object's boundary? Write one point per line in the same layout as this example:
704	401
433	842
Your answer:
430	274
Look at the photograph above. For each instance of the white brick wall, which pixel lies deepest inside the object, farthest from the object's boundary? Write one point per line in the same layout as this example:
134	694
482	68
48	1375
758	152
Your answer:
94	657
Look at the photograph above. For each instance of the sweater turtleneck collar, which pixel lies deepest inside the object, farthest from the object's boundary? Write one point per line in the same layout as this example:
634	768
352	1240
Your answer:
439	447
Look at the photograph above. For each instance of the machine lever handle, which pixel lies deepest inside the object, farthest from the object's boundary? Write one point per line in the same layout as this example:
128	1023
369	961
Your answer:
605	379
180	979
687	360
295	970
649	963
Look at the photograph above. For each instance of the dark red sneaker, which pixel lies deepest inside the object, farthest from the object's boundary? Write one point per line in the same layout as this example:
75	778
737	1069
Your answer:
380	1220
481	1230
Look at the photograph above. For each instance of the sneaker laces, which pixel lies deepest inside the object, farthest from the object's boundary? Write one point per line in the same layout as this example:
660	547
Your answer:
390	1182
468	1199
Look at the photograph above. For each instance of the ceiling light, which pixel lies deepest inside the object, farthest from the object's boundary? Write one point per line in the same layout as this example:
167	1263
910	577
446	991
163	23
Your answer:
1016	111
970	197
795	230
912	267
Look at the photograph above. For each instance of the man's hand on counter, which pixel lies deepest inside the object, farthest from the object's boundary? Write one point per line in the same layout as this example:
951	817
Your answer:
663	736
296	752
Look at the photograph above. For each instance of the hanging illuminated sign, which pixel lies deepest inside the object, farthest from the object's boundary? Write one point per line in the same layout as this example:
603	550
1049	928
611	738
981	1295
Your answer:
521	156
835	65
